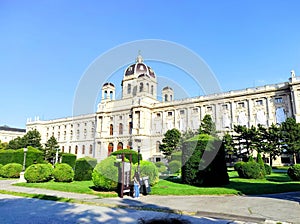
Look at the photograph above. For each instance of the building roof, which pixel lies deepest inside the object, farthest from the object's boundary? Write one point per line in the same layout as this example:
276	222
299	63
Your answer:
7	128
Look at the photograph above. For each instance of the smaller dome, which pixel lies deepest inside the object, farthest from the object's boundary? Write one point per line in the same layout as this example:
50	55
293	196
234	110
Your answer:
108	84
167	88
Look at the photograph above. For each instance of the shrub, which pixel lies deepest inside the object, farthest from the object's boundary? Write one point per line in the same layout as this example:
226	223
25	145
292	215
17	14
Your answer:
250	159
68	158
105	174
174	166
127	153
63	172
261	163
238	165
251	170
210	170
148	169
268	169
11	170
38	173
33	155
176	156
84	168
294	172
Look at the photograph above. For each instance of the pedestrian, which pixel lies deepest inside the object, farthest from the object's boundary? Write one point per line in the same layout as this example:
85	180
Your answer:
136	185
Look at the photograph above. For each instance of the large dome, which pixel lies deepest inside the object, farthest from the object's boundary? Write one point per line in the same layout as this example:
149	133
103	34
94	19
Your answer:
139	68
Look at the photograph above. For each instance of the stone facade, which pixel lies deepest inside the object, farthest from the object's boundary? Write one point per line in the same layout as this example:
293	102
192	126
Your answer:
8	133
139	120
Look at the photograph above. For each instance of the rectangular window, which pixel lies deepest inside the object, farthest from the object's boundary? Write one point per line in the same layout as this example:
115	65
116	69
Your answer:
195	110
209	108
224	106
278	100
259	102
181	112
241	105
170	113
158	115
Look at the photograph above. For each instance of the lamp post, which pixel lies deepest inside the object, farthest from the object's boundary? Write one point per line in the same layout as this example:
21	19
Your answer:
56	155
24	159
22	179
139	143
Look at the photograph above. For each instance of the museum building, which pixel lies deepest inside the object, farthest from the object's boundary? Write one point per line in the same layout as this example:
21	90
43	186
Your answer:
138	120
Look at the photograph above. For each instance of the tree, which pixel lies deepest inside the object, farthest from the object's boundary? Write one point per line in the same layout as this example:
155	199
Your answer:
170	142
50	149
271	141
3	145
229	145
185	136
291	137
208	126
31	138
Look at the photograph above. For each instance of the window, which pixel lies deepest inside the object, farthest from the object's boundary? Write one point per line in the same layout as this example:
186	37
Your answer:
147	87
224	107
77	134
171	97
83	149
63	149
209	108
91	149
70	148
241	105
65	134
181	112
152	90
158	115
120	146
278	100
129	89
120	129
170	113
166	97
85	132
141	87
71	134
120	117
195	110
130	127
111	129
259	102
76	149
110	148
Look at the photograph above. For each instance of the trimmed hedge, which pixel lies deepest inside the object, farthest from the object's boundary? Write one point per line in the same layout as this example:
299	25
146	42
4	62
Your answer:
294	172
68	158
127	153
174	166
38	173
251	170
84	168
11	170
105	174
210	170
63	172
268	169
33	156
148	169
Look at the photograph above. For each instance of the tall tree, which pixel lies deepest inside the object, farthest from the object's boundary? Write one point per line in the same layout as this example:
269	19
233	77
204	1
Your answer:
229	146
170	142
208	126
33	138
50	149
291	137
271	141
3	145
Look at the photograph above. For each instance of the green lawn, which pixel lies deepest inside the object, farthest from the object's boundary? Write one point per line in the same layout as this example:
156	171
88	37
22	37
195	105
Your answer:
274	183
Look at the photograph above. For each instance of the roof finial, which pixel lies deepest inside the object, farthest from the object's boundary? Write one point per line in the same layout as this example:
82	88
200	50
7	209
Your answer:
139	58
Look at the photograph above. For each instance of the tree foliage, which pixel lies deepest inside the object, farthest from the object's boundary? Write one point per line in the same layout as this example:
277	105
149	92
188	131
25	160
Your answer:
50	149
170	142
208	126
31	138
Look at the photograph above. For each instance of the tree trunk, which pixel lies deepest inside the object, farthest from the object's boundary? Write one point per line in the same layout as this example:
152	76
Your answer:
294	158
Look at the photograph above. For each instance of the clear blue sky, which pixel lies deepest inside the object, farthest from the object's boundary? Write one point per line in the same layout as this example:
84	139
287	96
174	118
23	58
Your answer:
45	46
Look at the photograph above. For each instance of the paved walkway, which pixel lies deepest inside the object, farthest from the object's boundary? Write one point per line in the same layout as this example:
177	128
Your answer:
284	208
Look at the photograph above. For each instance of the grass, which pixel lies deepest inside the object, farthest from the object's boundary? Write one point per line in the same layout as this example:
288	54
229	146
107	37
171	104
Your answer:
274	183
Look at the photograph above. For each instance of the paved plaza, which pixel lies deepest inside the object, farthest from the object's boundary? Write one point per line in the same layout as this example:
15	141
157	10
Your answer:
283	208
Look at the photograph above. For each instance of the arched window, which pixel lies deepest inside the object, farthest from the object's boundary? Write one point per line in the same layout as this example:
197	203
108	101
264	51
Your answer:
120	146
166	97
62	149
111	129
76	149
130	127
152	89
110	148
83	149
91	149
129	89
157	146
171	97
105	94
120	129
141	86
147	87
70	148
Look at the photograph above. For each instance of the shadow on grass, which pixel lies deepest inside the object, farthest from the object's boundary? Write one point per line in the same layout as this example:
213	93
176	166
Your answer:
51	198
